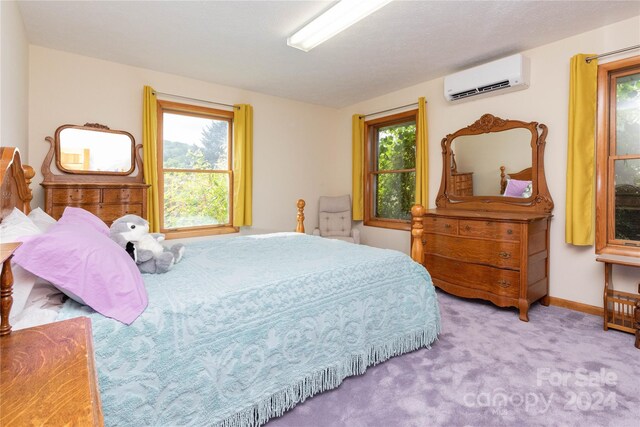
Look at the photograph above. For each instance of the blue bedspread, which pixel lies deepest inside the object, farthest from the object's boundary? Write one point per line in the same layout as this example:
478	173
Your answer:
244	328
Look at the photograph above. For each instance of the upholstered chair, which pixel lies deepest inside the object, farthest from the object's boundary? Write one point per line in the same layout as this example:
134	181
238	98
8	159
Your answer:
334	218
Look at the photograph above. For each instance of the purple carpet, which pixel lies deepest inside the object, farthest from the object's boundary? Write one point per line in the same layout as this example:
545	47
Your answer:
490	369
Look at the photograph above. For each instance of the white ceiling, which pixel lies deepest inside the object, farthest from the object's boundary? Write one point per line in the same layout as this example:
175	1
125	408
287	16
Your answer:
243	43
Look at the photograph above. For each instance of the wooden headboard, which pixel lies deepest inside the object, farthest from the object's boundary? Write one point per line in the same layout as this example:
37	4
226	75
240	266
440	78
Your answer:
16	193
16	179
523	175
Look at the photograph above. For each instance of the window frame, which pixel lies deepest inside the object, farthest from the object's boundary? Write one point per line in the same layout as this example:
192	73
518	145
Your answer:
606	243
370	168
203	112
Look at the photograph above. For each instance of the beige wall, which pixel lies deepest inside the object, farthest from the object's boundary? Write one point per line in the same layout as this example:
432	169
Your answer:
291	158
574	274
14	74
302	150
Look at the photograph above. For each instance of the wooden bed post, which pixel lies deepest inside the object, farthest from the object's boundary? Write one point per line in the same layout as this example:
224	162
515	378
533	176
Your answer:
6	287
417	248
300	227
15	190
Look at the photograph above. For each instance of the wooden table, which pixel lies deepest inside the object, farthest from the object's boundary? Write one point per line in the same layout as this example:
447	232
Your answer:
6	285
621	309
48	376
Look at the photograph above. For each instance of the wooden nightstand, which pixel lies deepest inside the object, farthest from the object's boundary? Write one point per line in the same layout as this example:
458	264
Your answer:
621	309
49	377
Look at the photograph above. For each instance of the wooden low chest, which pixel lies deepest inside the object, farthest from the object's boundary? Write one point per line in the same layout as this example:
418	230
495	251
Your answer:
108	201
49	376
502	257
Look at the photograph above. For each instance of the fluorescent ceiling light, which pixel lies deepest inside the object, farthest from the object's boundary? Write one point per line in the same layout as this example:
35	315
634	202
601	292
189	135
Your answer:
340	17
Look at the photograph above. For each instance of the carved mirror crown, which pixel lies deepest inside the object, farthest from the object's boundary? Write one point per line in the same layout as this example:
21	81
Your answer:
495	164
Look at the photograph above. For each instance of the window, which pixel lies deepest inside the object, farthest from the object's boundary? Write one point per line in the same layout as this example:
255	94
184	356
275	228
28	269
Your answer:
618	158
390	170
194	170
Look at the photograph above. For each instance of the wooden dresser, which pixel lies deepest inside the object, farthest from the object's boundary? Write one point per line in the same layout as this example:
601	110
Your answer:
489	246
108	201
502	257
462	183
109	194
49	377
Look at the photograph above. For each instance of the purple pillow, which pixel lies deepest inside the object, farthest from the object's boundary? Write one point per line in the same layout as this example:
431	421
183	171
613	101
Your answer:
87	266
515	187
73	215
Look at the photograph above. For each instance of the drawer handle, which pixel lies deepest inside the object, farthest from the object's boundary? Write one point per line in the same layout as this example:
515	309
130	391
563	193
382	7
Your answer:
505	255
503	283
73	197
467	228
509	231
447	226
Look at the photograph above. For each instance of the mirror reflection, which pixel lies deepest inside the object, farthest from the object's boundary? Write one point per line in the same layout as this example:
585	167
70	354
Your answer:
94	150
477	160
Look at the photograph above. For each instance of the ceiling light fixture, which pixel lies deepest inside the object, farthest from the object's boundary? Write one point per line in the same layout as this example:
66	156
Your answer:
340	17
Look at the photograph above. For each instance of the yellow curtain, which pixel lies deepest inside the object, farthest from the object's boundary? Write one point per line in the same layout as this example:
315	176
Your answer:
422	155
242	164
150	156
581	151
357	159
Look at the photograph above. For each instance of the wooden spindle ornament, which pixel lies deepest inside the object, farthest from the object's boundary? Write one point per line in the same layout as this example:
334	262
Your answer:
29	173
417	248
300	227
6	300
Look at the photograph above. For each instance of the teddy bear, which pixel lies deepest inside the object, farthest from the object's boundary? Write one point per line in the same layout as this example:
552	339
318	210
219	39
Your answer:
131	232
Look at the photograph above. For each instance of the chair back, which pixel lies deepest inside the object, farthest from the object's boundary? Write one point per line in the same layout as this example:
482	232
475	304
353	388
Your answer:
334	216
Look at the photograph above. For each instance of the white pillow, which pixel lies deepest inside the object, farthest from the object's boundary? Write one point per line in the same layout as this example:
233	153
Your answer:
41	219
14	228
17	226
43	305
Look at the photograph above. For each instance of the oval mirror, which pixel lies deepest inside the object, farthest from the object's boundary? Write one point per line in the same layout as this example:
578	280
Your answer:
94	149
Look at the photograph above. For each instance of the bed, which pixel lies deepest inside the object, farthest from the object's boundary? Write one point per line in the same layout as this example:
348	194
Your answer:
523	175
244	328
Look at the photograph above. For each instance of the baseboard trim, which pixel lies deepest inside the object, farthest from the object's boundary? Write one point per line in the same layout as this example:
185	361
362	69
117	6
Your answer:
576	306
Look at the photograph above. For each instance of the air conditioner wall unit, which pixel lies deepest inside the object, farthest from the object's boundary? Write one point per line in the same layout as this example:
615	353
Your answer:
504	75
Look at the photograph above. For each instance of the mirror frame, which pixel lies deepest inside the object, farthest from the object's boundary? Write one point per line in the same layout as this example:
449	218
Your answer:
540	200
95	127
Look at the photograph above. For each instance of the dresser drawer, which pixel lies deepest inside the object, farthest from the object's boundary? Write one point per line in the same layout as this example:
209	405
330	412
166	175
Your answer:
490	229
57	210
462	178
464	185
109	213
73	196
122	195
474	276
440	225
496	253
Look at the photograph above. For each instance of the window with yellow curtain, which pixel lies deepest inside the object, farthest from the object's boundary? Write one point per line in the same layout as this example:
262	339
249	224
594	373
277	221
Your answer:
390	170
194	170
618	158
